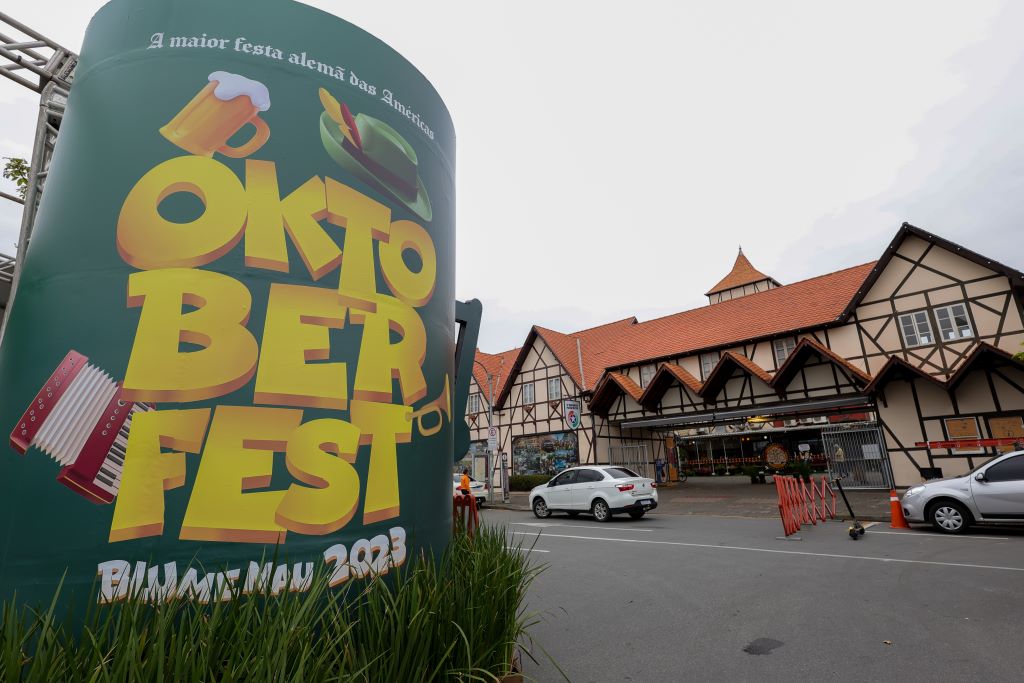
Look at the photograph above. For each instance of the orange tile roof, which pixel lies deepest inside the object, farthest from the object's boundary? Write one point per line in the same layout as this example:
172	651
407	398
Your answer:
752	367
593	341
683	376
498	365
608	389
742	273
802	305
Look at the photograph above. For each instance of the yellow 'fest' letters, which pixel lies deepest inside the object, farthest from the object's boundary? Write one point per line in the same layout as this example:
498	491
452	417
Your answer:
182	304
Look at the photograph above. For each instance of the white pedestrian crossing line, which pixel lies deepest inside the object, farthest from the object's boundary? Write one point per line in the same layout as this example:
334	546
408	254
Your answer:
777	552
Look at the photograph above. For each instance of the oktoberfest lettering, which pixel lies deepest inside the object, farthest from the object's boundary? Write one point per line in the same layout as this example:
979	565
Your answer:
194	342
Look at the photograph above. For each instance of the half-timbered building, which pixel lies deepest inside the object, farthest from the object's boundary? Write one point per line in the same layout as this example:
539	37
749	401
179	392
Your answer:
864	370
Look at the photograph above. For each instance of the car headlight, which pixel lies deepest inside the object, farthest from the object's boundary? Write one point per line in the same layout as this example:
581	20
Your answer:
913	491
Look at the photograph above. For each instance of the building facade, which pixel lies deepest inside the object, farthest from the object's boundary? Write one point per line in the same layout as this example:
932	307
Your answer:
862	370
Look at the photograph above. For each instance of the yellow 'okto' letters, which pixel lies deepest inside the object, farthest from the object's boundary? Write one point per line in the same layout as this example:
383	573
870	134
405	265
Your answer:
147	240
364	220
157	369
270	216
414	288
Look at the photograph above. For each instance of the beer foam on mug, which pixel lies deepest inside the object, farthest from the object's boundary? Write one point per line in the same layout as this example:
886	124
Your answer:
230	86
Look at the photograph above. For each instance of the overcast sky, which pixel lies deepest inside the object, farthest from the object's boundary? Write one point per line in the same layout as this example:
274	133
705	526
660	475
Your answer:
672	132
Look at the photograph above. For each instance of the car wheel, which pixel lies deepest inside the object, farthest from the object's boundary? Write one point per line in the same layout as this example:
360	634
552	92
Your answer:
949	517
637	514
601	511
540	508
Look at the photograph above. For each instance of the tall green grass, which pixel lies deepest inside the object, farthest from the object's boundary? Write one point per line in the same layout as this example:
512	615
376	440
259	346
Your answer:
458	618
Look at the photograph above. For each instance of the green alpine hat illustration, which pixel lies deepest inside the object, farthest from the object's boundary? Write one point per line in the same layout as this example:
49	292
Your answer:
374	152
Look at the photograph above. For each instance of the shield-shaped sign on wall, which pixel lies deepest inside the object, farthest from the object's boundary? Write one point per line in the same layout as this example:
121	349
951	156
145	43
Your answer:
571	410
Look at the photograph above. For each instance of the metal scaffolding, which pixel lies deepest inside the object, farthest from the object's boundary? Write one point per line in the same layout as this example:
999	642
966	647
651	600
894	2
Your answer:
34	61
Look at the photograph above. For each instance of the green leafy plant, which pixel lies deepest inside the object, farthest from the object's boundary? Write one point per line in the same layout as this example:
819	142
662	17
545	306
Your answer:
458	618
16	170
525	482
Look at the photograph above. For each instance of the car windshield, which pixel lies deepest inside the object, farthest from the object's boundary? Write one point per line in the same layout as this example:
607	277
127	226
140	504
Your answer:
967	474
621	473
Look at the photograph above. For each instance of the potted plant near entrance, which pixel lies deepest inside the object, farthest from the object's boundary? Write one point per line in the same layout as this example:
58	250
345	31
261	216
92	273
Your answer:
752	471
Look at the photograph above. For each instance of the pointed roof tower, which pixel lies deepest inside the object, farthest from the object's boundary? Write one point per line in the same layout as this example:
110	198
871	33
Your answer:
743	279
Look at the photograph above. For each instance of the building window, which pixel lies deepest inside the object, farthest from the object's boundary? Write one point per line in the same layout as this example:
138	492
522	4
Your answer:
646	373
708	361
554	388
953	322
474	403
783	347
528	393
963	428
916	329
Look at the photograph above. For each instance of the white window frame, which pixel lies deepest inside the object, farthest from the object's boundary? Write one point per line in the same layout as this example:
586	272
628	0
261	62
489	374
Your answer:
528	393
705	368
786	346
554	388
918	321
646	375
954	332
474	402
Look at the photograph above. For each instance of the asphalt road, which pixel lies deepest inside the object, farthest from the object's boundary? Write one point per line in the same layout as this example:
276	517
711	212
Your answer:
678	598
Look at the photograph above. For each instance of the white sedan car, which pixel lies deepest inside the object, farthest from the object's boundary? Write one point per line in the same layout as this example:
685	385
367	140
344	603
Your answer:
602	490
477	488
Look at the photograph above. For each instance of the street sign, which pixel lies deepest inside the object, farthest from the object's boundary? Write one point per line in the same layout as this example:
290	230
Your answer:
492	439
571	410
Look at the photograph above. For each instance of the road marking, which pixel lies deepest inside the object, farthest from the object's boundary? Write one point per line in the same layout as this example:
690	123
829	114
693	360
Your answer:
778	552
529	550
577	526
924	534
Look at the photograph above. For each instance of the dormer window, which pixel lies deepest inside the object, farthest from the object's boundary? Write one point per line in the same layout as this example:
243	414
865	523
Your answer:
916	329
783	347
953	322
708	361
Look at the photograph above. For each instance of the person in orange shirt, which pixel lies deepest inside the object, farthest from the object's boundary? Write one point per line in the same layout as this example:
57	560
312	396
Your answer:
464	482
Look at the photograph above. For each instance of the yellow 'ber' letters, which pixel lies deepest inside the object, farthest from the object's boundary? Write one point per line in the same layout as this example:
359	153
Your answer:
157	369
296	331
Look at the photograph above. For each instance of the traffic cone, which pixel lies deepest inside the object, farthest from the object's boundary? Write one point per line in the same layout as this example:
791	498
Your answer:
896	512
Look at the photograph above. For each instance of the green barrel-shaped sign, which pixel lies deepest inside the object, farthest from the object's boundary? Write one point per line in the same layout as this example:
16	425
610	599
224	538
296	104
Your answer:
230	354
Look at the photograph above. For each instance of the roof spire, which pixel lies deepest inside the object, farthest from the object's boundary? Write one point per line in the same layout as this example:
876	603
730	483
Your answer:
742	273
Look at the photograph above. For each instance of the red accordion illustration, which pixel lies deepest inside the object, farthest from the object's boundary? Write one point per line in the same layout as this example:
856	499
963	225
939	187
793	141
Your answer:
80	420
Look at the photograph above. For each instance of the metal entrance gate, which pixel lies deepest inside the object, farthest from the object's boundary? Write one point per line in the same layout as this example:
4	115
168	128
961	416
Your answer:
857	451
633	456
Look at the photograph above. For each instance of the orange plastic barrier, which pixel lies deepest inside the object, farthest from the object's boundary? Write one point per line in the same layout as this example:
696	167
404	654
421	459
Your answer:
802	502
465	517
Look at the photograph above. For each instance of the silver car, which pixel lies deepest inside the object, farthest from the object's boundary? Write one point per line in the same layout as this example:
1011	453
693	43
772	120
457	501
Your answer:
993	492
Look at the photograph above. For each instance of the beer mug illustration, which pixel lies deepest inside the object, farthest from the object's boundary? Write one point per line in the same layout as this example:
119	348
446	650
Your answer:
227	103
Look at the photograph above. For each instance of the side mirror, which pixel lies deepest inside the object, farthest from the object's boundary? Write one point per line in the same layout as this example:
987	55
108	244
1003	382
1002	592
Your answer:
980	476
551	483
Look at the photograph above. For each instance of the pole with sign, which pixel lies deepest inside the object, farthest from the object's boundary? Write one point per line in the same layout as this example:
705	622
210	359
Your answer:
571	411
